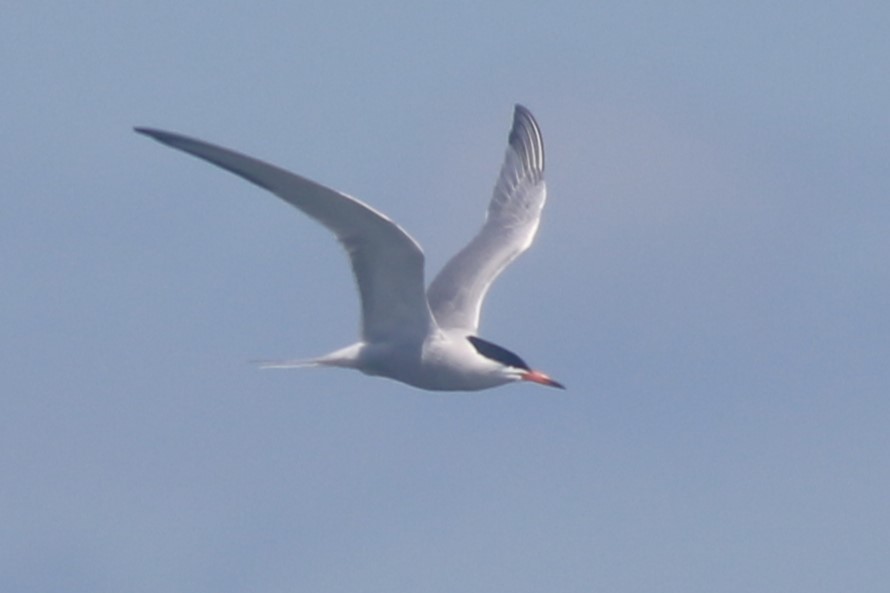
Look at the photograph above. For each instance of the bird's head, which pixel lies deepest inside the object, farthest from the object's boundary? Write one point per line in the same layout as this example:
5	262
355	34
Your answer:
513	367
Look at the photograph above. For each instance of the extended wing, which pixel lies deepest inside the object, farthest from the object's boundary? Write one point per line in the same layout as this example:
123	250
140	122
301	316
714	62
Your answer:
386	261
456	294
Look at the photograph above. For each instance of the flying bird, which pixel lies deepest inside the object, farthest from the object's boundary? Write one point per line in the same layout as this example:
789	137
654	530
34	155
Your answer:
426	338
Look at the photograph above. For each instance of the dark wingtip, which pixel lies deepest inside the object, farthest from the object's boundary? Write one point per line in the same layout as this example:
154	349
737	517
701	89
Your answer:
519	108
523	117
158	135
526	138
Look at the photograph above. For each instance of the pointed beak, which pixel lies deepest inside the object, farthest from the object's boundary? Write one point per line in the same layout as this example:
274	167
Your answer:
539	377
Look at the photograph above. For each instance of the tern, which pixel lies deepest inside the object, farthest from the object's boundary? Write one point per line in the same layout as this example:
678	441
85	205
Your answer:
426	338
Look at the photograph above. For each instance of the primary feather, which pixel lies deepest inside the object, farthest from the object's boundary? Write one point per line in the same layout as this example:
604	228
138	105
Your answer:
456	294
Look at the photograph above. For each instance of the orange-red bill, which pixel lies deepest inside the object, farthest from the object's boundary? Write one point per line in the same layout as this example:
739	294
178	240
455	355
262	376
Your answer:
541	378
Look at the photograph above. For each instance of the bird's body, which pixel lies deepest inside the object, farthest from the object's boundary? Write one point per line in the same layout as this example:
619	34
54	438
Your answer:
423	337
441	361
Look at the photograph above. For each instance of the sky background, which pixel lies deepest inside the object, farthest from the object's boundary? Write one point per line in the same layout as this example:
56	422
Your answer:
710	281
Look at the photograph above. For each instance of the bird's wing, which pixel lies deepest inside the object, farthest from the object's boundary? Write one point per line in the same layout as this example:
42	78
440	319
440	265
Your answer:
386	261
456	294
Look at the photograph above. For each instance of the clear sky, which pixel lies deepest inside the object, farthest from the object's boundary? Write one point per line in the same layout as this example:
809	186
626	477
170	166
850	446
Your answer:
710	281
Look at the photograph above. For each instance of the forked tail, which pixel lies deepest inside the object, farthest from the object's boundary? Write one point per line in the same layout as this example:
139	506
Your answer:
344	357
286	364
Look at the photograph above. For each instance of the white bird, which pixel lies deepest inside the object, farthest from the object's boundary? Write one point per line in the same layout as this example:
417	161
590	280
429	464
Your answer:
425	338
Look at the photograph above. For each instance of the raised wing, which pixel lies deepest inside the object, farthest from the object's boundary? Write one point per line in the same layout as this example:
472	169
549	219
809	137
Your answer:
456	294
386	261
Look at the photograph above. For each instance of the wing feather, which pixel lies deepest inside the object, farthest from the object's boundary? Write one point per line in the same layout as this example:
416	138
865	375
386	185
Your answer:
386	261
456	294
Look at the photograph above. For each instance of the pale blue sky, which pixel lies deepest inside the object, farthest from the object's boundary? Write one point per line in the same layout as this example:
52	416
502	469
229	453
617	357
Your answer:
710	281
